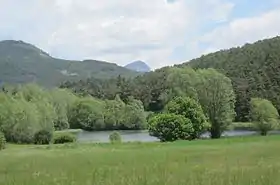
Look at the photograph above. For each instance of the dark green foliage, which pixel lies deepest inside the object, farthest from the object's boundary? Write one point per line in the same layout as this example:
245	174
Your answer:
64	137
264	115
24	63
43	137
115	137
149	88
170	127
2	141
191	109
253	69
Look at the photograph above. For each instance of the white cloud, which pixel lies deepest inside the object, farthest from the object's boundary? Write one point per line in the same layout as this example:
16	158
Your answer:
115	30
244	30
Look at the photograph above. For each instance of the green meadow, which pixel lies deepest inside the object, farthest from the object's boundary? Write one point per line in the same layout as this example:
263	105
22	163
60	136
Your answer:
231	161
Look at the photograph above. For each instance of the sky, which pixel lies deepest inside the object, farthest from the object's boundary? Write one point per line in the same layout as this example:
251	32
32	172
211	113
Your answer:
158	32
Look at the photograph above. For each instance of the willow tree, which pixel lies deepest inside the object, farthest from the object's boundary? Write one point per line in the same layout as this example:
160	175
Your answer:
216	96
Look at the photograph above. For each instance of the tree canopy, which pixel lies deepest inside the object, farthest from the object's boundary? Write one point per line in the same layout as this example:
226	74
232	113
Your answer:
264	115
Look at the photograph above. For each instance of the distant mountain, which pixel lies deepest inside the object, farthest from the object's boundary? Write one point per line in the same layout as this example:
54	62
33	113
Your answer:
138	66
21	62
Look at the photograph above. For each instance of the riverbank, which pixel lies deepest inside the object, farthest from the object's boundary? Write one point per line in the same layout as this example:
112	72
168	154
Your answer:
240	161
143	135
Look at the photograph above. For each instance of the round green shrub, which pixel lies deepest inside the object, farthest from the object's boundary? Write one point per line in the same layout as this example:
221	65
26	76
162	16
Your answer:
2	141
115	137
192	110
264	115
43	137
170	127
64	137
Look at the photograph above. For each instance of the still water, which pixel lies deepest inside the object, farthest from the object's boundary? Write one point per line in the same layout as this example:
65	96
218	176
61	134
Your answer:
143	136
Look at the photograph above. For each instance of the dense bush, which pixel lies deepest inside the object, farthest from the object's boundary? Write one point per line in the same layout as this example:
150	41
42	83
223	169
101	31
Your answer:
2	141
115	137
191	109
20	120
62	101
170	127
26	110
43	137
87	114
264	115
134	117
64	137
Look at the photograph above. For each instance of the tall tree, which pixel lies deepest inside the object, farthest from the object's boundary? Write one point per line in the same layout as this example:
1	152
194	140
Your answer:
217	98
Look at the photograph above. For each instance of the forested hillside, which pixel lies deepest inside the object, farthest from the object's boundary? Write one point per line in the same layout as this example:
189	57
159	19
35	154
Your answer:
254	70
24	63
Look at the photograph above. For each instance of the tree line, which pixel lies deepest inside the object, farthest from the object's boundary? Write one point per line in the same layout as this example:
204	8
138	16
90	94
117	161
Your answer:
214	91
182	104
211	89
29	109
252	69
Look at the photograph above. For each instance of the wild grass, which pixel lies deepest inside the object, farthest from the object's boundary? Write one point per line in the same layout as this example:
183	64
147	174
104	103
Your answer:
236	161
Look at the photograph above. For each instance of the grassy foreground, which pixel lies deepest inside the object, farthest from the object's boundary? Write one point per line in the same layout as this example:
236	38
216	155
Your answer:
235	161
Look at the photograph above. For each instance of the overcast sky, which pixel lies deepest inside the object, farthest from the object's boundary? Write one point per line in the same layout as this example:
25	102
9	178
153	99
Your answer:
159	32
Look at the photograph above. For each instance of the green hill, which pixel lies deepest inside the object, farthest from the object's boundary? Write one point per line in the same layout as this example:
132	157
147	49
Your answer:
253	68
21	62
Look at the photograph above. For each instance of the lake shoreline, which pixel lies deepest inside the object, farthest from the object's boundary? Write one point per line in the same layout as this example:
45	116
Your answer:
143	135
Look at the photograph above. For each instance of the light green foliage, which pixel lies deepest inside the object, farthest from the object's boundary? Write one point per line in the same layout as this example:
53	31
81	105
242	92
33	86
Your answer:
182	82
114	113
264	115
64	137
191	109
20	120
26	110
170	127
119	115
216	96
2	141
115	137
62	100
87	114
134	114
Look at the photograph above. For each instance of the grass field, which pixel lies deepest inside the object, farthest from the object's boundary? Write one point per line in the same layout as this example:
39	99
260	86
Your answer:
235	161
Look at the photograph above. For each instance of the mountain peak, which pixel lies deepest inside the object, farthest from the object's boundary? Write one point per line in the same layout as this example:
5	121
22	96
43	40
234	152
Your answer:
138	66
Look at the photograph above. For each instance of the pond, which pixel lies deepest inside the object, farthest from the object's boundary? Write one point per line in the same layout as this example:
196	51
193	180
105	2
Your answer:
143	136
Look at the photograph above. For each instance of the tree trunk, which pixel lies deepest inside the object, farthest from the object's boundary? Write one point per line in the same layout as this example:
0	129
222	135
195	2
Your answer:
263	132
215	134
